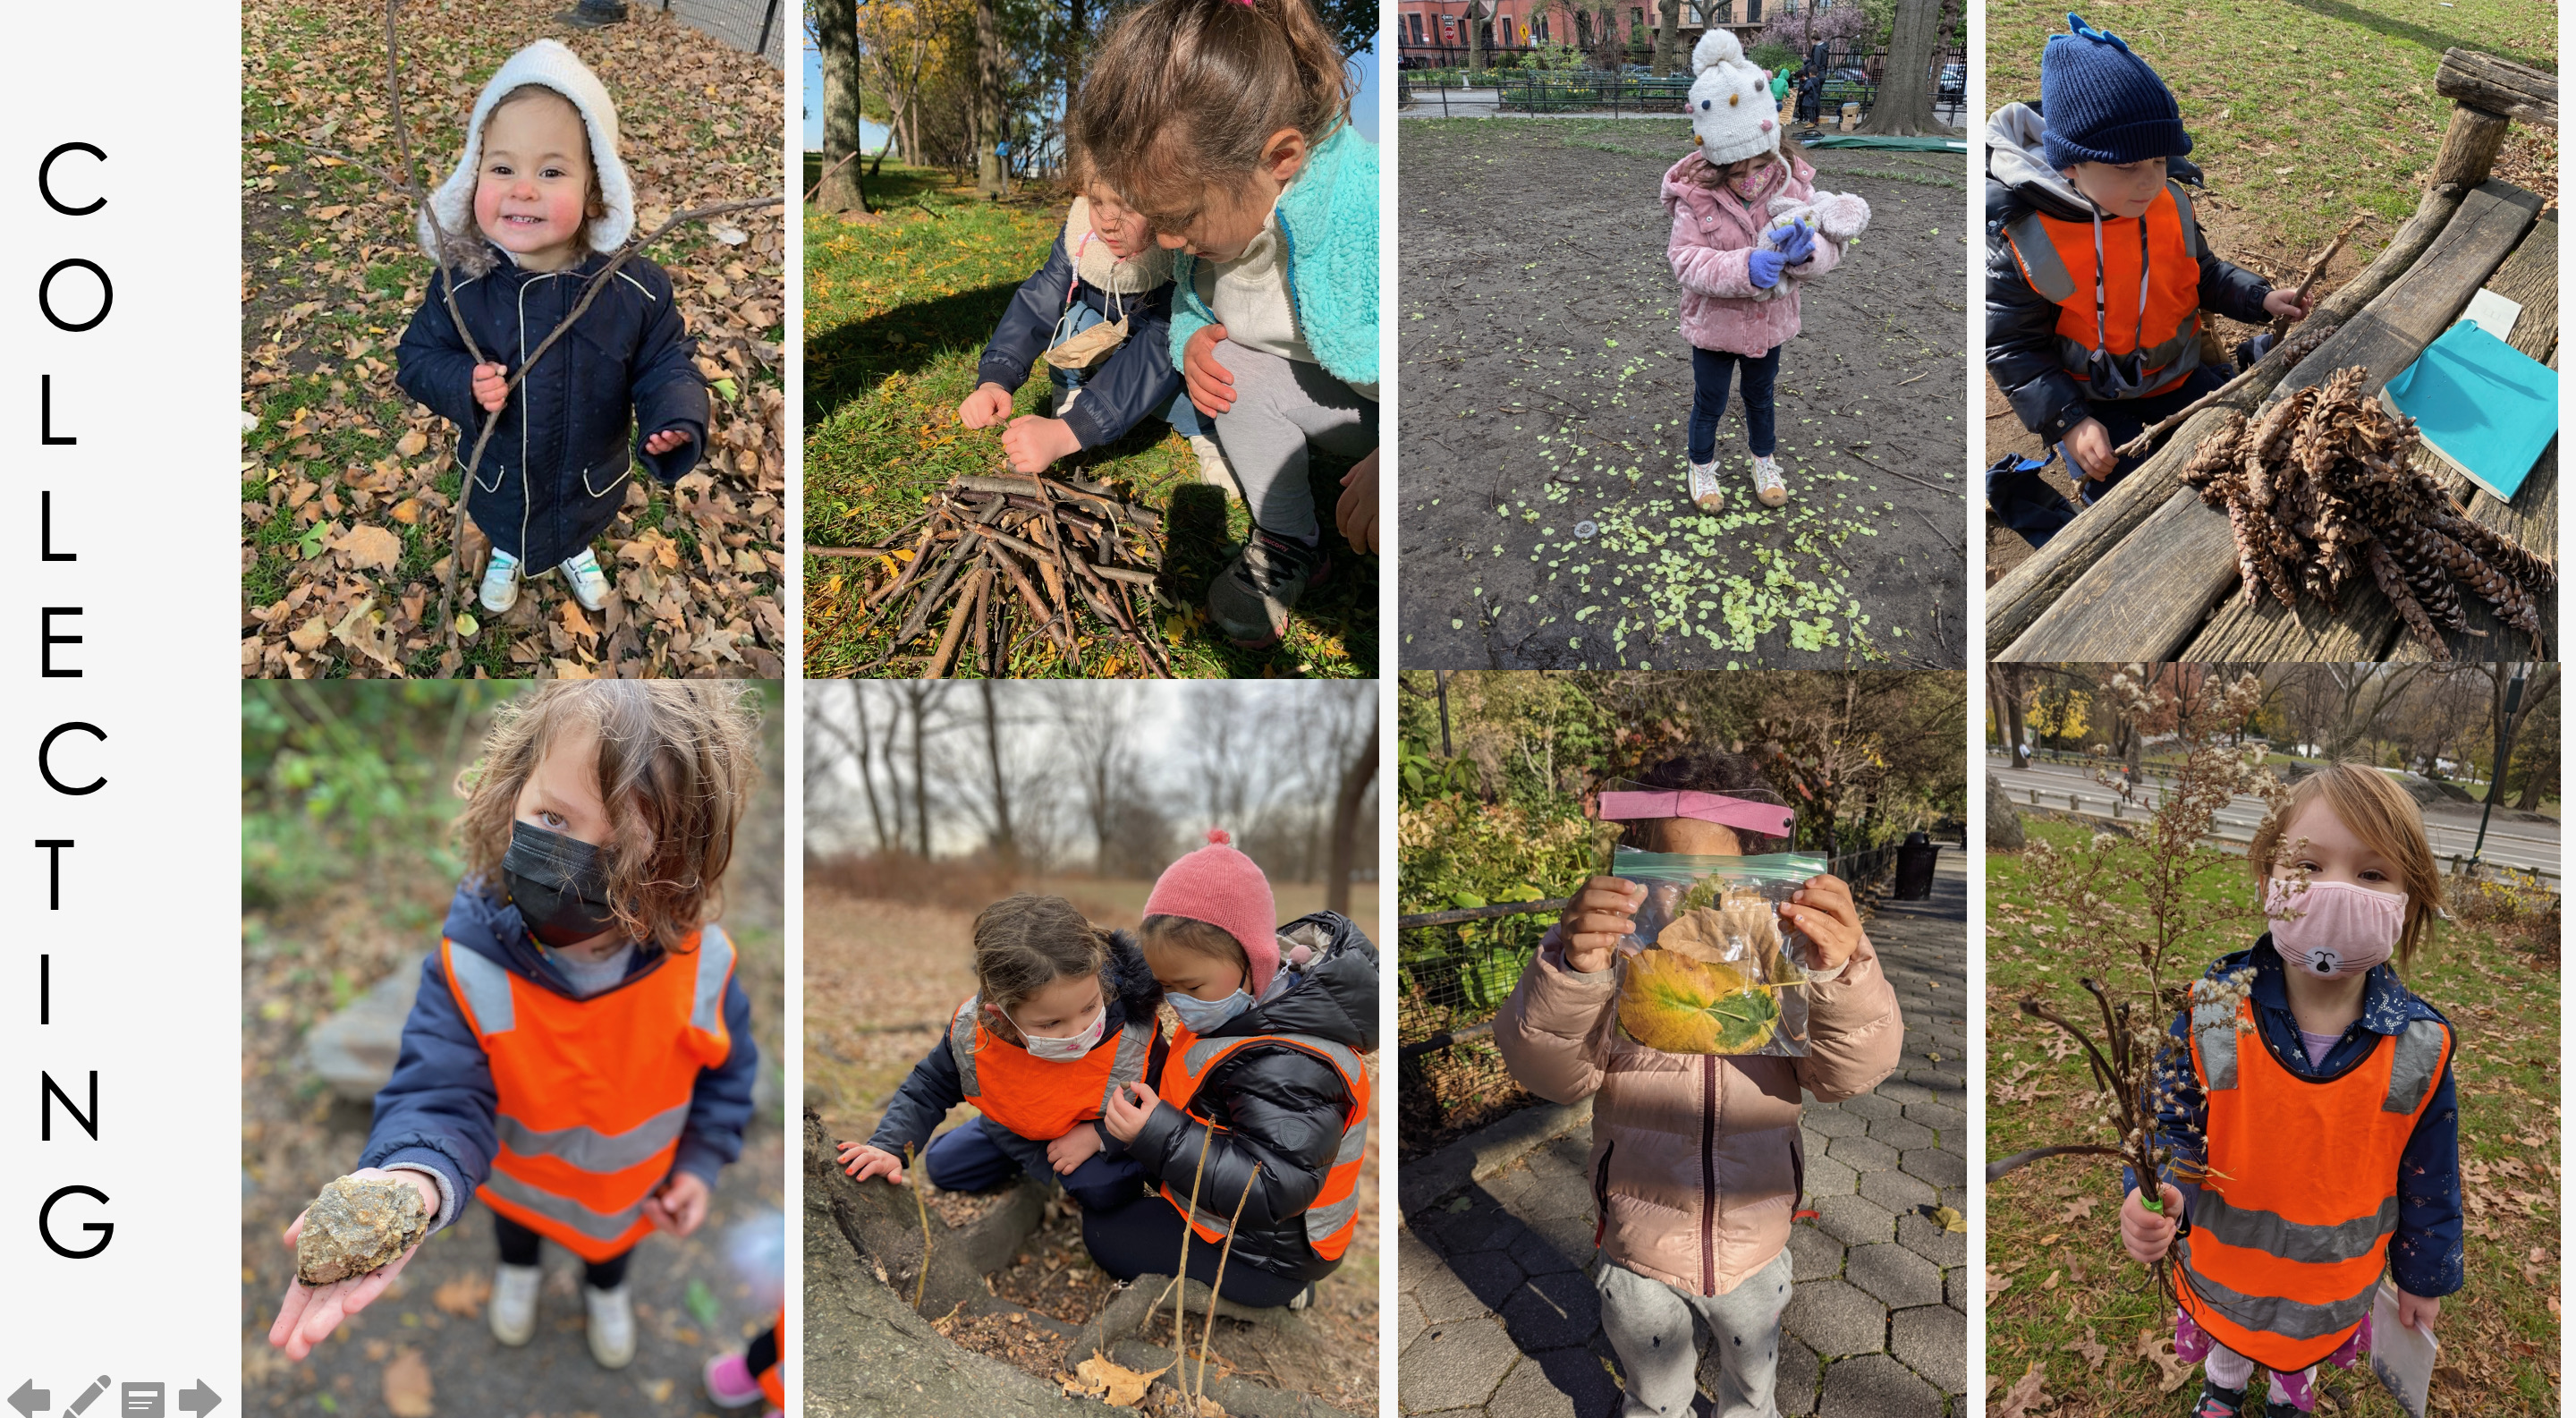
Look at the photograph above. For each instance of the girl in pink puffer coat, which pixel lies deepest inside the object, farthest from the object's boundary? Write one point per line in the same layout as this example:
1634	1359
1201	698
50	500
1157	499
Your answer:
1696	1163
1739	290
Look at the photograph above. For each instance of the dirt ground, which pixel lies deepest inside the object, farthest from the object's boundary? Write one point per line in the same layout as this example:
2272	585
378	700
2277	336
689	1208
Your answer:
1544	376
882	979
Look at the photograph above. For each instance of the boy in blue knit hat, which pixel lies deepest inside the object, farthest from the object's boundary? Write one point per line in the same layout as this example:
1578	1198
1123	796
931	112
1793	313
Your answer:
2096	272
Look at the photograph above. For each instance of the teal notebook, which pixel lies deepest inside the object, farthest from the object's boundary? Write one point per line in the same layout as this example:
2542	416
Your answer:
2483	406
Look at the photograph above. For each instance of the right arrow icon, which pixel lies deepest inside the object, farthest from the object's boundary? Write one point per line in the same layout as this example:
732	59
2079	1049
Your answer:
30	1400
200	1399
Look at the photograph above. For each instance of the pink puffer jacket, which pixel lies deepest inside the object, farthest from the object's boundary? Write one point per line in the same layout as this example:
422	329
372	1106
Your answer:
1714	229
1696	1160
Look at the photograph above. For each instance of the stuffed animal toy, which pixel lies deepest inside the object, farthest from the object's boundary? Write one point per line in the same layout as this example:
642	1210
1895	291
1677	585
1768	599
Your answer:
1833	216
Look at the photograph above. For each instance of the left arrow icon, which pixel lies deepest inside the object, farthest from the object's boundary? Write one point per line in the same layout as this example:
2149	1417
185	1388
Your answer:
30	1400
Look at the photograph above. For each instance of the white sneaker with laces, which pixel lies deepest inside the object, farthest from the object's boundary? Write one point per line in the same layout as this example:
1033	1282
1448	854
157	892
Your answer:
514	1303
1769	483
500	582
1213	469
1705	490
612	1326
589	584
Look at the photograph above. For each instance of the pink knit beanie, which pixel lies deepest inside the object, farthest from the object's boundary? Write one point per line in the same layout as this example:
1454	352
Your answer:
1222	887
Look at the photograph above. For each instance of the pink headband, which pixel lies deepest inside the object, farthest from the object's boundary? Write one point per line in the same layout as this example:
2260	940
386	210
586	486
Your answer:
1769	819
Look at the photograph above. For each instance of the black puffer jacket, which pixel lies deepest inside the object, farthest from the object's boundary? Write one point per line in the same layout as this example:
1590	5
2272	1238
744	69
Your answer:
1278	1108
935	1086
555	472
2021	324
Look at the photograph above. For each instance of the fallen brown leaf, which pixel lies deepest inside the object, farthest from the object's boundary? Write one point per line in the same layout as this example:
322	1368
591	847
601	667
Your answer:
2157	1349
370	547
1112	1383
463	1297
407	1386
2024	1395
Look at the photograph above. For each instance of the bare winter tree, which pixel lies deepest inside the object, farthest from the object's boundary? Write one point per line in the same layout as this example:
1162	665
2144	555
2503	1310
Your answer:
1006	846
1100	748
1359	770
1903	108
1667	35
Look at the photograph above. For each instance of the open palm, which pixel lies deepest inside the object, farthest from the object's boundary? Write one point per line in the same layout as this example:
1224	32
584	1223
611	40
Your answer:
309	1313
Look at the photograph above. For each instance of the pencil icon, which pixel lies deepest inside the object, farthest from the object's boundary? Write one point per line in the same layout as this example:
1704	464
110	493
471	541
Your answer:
88	1396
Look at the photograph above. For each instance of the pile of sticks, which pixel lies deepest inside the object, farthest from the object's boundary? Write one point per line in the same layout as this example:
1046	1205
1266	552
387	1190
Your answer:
1005	559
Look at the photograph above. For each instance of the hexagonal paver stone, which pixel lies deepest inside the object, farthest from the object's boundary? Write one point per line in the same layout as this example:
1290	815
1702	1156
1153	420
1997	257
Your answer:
1870	1106
1444	1297
1409	1323
1794	1389
1954	1288
1814	1254
1902	1093
1875	1386
1552	1311
1940	1117
1863	1153
1560	1383
1537	1255
1568	1235
1490	1274
1825	1119
1936	1165
1932	1241
1897	1276
1482	1226
1900	1134
1855	1220
1835	1318
1454	1365
1933	1342
1896	1191
1827	1177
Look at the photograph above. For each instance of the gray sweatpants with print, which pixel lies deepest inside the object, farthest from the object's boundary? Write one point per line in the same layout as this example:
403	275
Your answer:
1649	1323
1280	406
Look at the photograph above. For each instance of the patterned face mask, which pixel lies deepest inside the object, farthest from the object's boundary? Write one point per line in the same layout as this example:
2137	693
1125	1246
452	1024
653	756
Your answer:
2333	929
1068	1048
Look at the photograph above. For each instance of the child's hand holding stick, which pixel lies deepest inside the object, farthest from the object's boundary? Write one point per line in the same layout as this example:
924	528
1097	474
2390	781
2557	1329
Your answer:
2149	1234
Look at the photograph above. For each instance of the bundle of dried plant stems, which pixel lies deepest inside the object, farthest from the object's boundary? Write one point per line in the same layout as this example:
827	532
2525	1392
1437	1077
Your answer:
1005	559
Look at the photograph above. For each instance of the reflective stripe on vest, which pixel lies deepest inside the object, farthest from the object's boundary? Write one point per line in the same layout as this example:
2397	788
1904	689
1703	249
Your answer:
592	1095
2284	1254
2057	259
1042	1099
1332	1218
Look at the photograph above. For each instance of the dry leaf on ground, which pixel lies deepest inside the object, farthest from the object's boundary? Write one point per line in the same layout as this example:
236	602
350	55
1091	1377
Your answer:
463	1297
2157	1349
2024	1395
407	1387
1112	1383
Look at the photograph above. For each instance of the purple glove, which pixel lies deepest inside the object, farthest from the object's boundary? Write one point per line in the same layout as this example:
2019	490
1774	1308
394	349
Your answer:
1763	267
1798	242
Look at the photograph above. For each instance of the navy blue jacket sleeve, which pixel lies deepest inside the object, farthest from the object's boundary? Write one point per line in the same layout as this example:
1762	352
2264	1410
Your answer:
720	1104
431	363
668	391
436	1111
2424	1257
1137	381
925	1097
2021	347
2231	290
1027	322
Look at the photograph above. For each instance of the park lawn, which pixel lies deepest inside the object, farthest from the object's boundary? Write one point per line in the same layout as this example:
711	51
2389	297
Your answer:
2070	1284
2302	114
897	310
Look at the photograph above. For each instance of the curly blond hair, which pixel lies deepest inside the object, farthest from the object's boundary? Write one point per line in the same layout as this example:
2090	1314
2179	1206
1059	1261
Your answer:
677	762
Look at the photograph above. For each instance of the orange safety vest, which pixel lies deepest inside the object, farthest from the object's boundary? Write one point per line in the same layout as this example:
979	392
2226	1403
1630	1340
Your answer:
2291	1231
1039	1098
593	1093
1334	1215
773	1380
2056	257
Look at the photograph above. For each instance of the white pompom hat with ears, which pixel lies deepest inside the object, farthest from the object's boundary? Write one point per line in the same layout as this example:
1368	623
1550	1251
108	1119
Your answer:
552	65
1731	113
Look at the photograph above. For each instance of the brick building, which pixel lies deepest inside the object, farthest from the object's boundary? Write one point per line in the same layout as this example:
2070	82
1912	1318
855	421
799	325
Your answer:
1431	33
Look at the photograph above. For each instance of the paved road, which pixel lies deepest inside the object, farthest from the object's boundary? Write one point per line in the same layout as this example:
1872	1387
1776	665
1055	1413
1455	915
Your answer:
2454	831
1498	1318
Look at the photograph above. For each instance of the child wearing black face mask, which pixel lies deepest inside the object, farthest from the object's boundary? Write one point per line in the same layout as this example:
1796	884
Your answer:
579	1055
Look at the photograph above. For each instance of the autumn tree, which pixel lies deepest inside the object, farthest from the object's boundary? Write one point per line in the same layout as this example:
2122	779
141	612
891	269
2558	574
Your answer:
836	34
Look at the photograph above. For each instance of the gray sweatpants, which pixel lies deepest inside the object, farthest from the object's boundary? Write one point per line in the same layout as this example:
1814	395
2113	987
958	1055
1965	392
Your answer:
1649	1323
1281	405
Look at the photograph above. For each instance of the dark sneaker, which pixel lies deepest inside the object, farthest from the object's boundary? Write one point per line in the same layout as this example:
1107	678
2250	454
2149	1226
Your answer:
1251	598
2216	1402
2282	1409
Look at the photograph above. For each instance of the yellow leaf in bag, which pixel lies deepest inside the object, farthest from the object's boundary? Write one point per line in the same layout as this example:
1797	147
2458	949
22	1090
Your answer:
1684	1006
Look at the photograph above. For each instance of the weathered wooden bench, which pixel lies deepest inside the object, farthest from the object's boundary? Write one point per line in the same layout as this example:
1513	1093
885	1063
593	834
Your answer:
2149	572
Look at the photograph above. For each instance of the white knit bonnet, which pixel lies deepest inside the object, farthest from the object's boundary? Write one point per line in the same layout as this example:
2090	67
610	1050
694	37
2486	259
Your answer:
550	64
1731	112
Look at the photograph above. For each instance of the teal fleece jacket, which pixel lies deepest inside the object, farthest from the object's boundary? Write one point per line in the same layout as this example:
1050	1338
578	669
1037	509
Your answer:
1328	214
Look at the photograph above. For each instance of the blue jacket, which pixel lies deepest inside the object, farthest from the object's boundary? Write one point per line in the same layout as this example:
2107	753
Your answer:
934	1086
1134	384
436	1111
558	462
2424	1256
1328	218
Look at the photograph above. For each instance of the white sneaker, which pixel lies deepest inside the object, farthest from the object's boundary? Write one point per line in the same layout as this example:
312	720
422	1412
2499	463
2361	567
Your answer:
500	583
1213	469
1705	490
1769	483
612	1326
514	1303
589	584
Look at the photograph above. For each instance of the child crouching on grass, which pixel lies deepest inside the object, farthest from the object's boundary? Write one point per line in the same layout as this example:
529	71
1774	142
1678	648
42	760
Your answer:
1100	313
1697	1157
1062	1014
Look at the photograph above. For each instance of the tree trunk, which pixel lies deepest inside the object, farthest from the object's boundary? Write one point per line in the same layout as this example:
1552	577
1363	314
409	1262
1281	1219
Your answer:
1904	105
920	780
1346	825
836	25
1667	35
1477	34
1005	845
1077	42
867	764
988	99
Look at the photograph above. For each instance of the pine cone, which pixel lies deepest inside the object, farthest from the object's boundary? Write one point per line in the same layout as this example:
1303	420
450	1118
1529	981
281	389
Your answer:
2392	584
2214	456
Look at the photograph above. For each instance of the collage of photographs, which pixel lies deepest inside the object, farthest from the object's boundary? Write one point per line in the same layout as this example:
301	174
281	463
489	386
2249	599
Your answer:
1645	905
